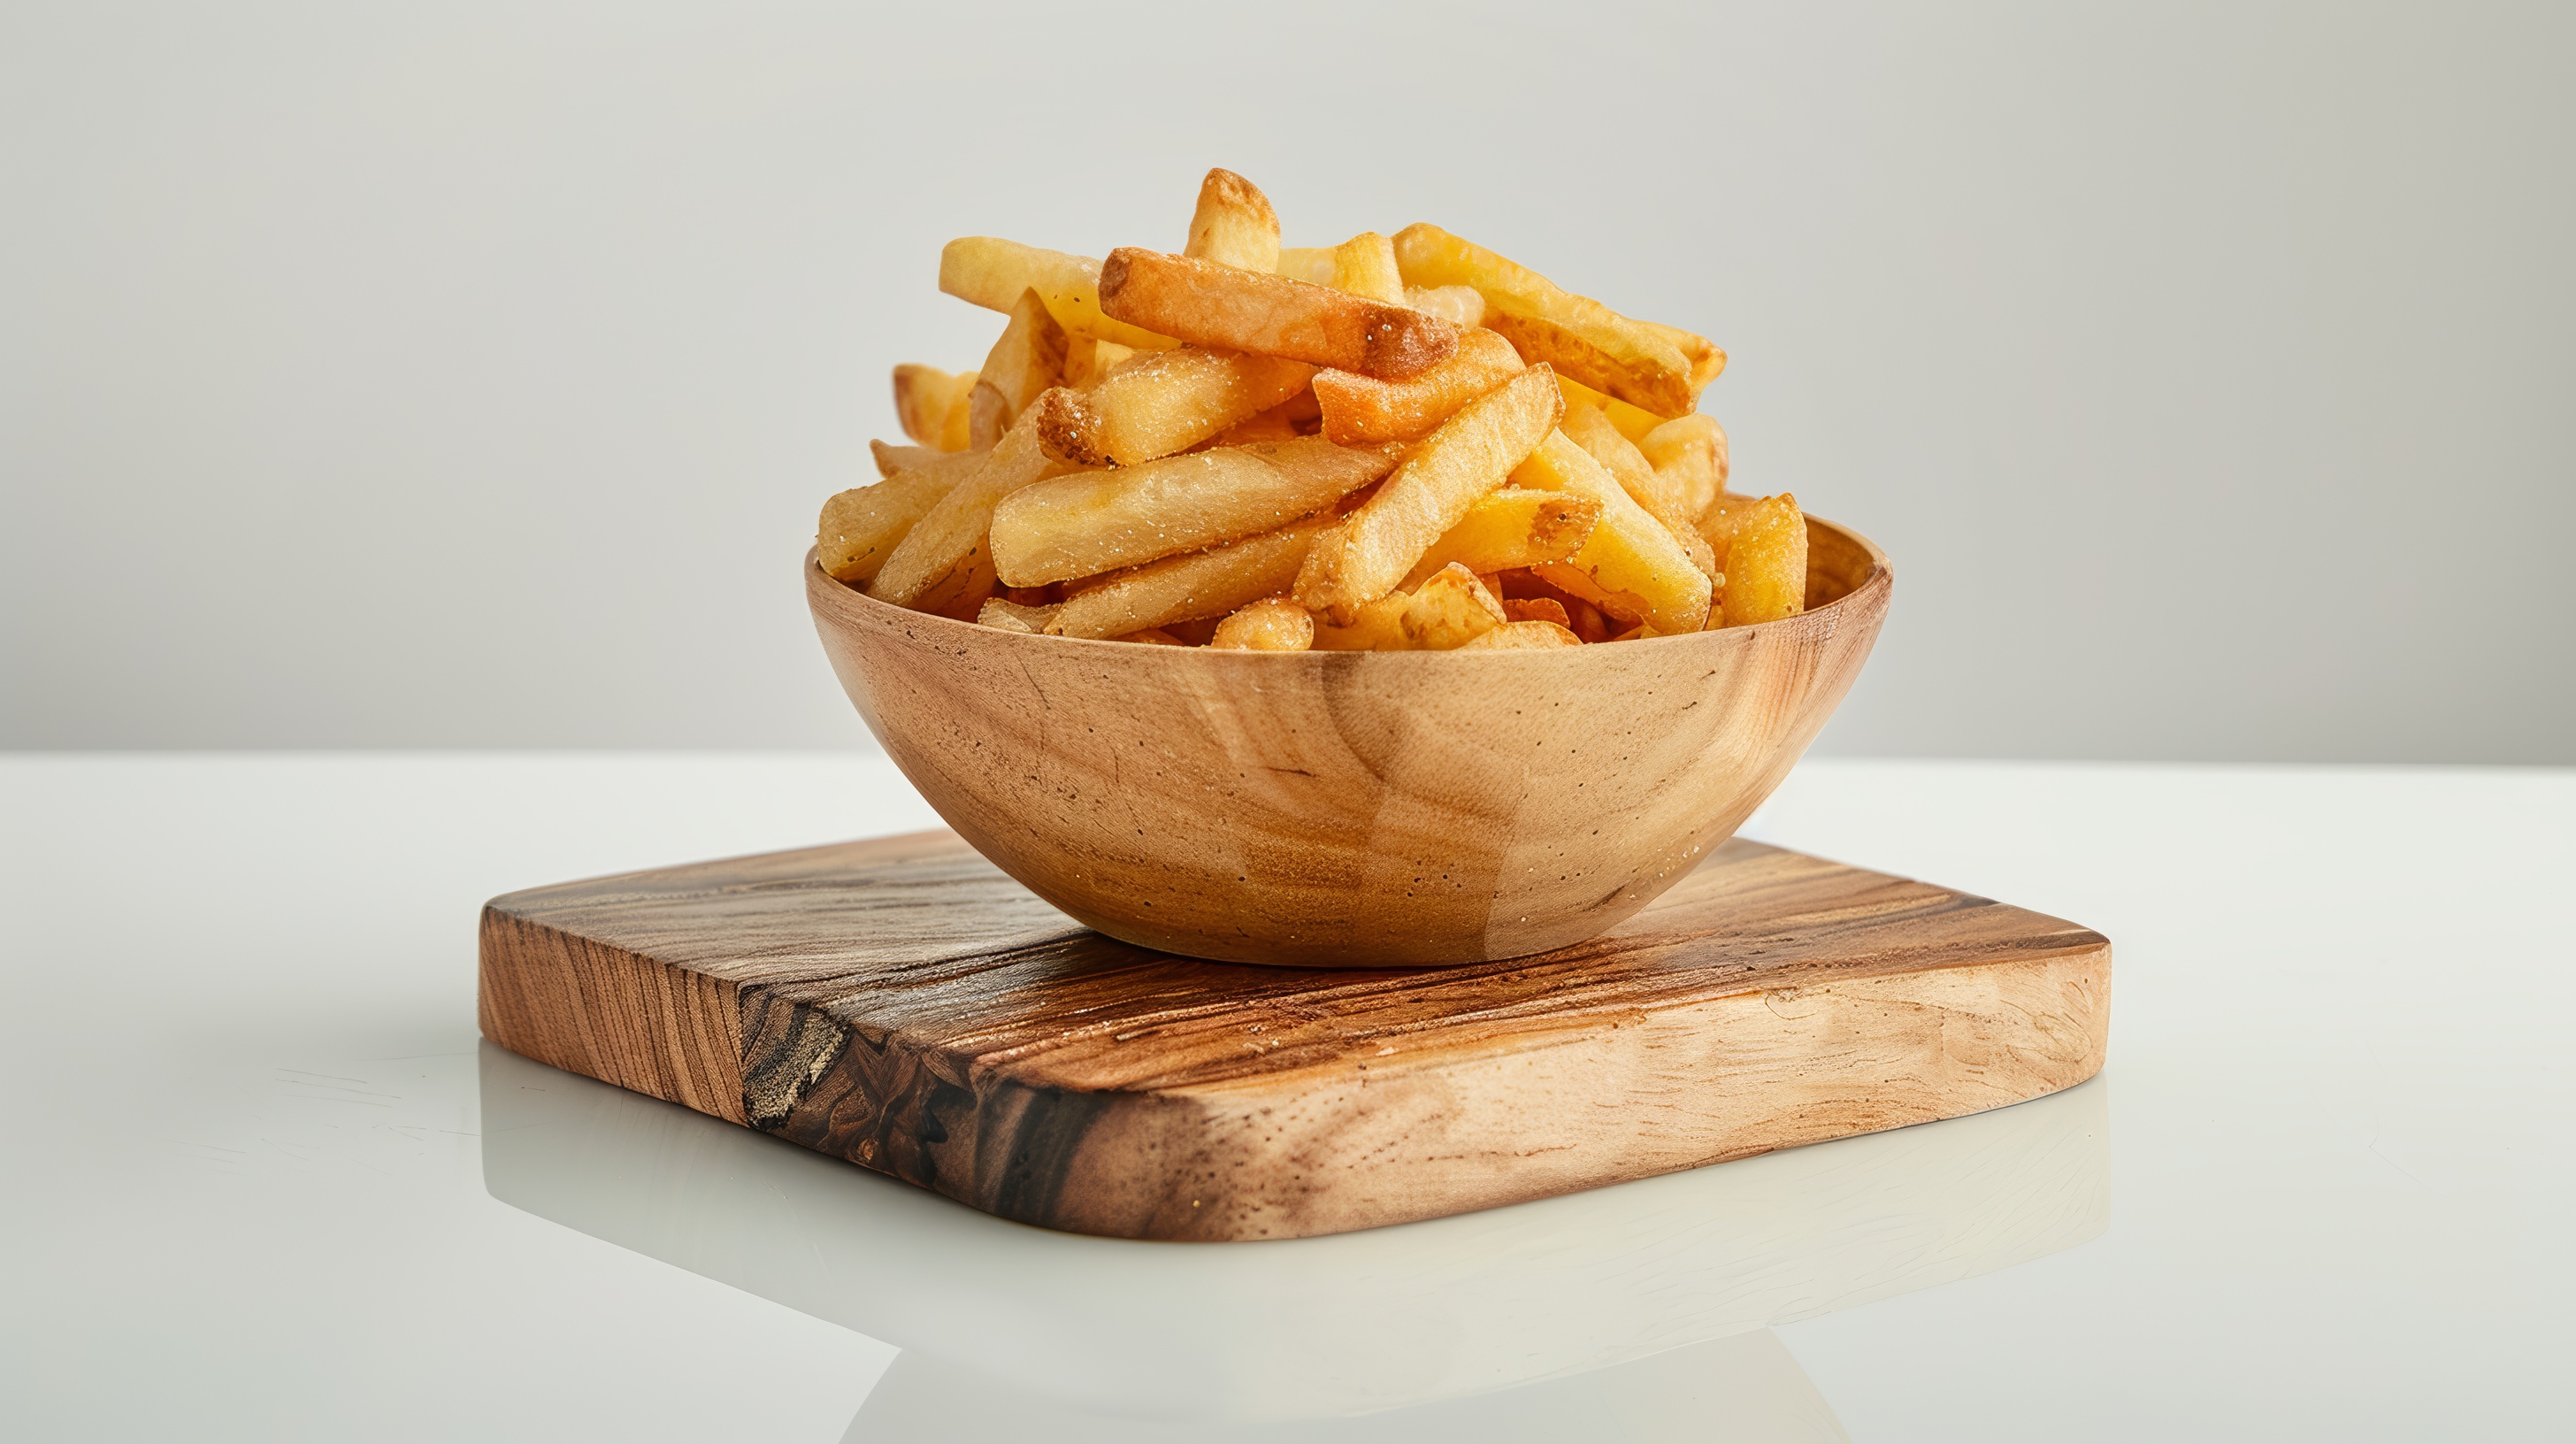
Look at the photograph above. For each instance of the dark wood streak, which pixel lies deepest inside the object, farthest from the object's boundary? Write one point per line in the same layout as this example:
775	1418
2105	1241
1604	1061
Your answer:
902	1005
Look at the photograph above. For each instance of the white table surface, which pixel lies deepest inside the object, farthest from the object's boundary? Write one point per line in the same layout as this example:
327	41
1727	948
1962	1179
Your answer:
263	1183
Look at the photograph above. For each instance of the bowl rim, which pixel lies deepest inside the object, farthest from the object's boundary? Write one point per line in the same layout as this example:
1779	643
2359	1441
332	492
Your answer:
1882	576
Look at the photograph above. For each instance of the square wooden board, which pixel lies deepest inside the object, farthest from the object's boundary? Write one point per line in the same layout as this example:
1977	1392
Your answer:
903	1004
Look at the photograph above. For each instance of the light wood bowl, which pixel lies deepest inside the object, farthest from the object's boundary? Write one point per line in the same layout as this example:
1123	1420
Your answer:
1352	809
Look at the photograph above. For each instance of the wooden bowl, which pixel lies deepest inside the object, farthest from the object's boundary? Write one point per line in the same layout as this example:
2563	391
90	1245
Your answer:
1352	809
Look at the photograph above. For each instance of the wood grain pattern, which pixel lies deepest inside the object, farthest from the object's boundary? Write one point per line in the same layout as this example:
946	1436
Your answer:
905	1005
1352	809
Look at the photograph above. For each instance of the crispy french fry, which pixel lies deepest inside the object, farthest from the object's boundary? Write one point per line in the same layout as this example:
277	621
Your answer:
1376	626
1633	423
1511	528
1219	306
1766	570
1718	524
1450	609
860	528
1539	609
990	272
1589	427
931	405
1689	452
1087	361
1094	522
1524	635
945	563
1361	409
1461	306
1201	584
1706	361
891	459
1578	336
1310	264
1631	563
1024	365
1293	417
1440	480
1165	402
1364	265
1234	224
1273	624
1012	616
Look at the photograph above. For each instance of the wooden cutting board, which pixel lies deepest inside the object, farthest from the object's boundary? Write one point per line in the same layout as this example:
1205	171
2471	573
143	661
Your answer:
903	1004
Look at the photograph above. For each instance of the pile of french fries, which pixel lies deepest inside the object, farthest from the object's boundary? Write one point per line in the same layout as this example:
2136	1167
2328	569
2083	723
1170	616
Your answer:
1396	443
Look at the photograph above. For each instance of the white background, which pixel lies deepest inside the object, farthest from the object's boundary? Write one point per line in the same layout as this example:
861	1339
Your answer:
469	375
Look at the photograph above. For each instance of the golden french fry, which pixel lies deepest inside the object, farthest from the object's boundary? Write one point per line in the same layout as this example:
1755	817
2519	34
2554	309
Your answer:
1633	423
1087	361
1578	336
1450	609
1094	522
1024	365
1165	402
1201	584
1235	310
1718	524
931	405
1589	427
990	272
1310	264
891	459
1706	361
1376	626
1273	624
1152	636
1012	616
860	528
1511	528
1469	455
1525	635
945	563
1460	306
1766	570
1234	224
1631	564
1364	265
1361	409
1689	452
1293	417
1539	609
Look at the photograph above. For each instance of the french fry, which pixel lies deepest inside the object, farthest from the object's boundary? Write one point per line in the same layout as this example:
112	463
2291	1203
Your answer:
860	528
990	272
1689	452
1234	224
945	563
1362	409
1450	609
1024	365
1578	336
1201	584
1295	416
1376	626
1524	635
931	405
1469	455
1364	265
1234	310
1165	402
1631	564
1460	306
1589	427
1766	570
1012	616
1633	423
1539	609
1509	529
1310	264
1094	522
1718	524
891	459
1706	361
1152	636
1086	360
1273	624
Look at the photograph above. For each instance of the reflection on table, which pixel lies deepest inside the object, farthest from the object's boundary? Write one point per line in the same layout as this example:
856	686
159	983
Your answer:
1637	1308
